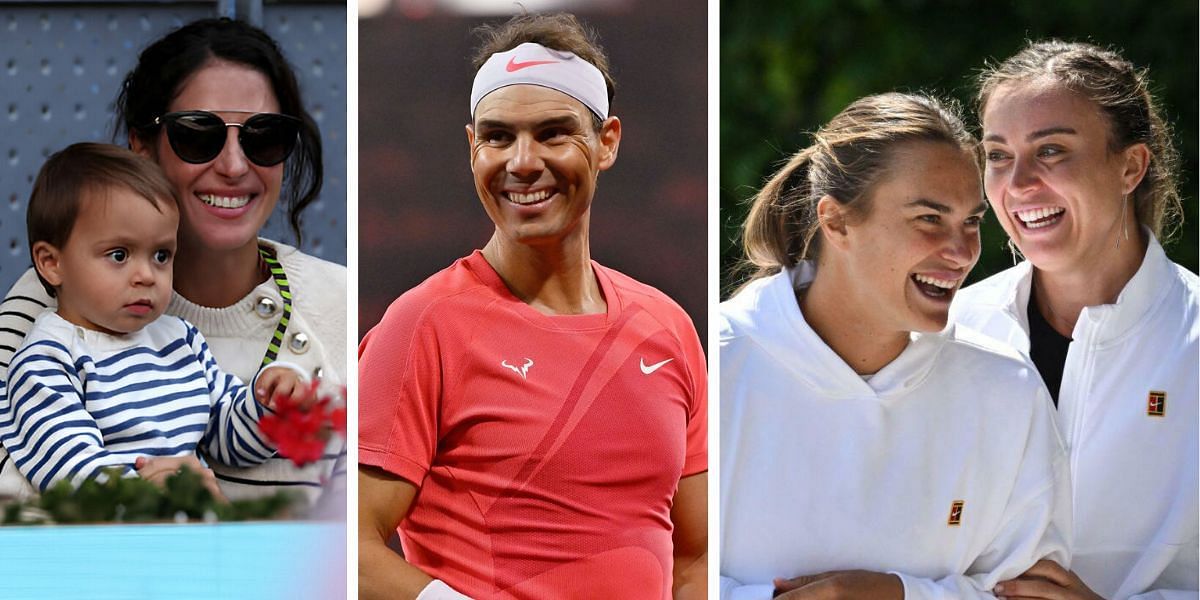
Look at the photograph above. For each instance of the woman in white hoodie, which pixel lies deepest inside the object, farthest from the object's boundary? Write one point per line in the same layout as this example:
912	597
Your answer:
1080	171
865	452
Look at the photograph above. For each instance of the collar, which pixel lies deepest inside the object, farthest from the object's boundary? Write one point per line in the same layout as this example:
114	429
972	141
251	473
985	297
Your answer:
485	273
1150	284
767	312
240	320
96	341
1145	290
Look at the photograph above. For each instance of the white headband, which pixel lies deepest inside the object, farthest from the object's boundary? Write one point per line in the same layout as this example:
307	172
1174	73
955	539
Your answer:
536	64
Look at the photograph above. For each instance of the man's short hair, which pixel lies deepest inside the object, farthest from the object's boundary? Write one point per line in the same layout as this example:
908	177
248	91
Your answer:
561	31
89	169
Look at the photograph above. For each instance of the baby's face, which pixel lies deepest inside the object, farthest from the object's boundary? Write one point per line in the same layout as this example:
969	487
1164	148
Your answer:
115	270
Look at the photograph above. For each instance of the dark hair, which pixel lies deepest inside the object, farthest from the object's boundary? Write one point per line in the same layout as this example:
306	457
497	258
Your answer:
847	158
561	31
1122	93
86	170
166	65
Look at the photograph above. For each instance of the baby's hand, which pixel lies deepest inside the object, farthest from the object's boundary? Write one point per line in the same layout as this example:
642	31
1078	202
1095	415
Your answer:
156	469
282	381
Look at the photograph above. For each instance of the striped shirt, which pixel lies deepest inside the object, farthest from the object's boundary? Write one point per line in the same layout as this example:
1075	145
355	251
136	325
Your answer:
237	337
81	401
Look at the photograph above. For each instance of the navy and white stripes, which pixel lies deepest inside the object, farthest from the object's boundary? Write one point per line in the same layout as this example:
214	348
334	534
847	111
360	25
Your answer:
80	401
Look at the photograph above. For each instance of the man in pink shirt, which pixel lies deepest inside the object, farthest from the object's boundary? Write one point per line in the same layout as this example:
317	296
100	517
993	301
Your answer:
533	423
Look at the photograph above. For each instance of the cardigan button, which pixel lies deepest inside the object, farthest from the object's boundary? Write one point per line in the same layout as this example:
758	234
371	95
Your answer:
298	343
265	307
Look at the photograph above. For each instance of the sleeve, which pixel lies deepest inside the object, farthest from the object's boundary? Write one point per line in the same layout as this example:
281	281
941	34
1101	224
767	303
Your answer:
232	437
1036	522
279	364
336	486
400	392
732	589
1174	566
43	423
696	459
439	590
26	299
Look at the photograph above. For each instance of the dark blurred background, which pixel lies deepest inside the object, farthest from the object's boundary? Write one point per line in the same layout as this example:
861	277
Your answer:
418	211
788	67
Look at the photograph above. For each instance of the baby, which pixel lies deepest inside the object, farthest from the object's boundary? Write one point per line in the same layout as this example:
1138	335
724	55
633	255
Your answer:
107	380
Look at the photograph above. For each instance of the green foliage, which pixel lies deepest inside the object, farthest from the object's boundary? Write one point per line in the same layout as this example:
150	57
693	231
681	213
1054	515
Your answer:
788	67
136	500
268	507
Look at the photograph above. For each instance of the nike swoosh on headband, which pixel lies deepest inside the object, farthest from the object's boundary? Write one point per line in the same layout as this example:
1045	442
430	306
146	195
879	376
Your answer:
559	70
514	66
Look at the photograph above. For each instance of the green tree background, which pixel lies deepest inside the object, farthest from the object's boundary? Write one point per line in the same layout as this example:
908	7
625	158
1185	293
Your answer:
788	67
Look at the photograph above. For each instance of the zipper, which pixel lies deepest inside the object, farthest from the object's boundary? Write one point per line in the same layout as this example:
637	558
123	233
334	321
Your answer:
1077	373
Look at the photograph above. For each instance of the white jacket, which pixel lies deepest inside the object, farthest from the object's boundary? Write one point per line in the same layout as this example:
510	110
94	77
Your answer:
822	470
1134	475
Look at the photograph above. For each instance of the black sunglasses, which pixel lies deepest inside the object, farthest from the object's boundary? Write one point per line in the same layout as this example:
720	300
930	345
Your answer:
197	136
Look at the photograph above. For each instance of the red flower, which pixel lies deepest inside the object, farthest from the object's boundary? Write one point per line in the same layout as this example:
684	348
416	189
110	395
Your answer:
337	419
301	433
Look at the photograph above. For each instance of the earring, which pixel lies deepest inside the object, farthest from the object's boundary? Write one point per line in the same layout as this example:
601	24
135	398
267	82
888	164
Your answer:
1124	223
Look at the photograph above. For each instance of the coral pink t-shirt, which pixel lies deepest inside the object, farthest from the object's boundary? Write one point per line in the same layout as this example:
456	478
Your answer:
547	449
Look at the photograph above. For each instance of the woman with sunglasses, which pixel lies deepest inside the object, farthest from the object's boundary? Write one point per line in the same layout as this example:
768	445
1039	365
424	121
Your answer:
216	105
1080	171
865	452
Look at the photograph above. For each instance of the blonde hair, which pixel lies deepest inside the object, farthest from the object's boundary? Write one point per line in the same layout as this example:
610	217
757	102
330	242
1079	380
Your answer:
847	158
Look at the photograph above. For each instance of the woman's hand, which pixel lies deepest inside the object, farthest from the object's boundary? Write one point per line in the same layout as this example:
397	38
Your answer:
156	469
836	585
1046	580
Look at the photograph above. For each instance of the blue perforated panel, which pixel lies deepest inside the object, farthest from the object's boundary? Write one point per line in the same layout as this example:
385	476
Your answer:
313	37
61	66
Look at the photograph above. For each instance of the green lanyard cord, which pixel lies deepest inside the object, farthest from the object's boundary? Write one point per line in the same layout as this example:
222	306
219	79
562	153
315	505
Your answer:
285	292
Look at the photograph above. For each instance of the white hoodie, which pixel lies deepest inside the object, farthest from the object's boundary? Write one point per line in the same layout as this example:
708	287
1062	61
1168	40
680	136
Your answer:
1134	474
822	470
